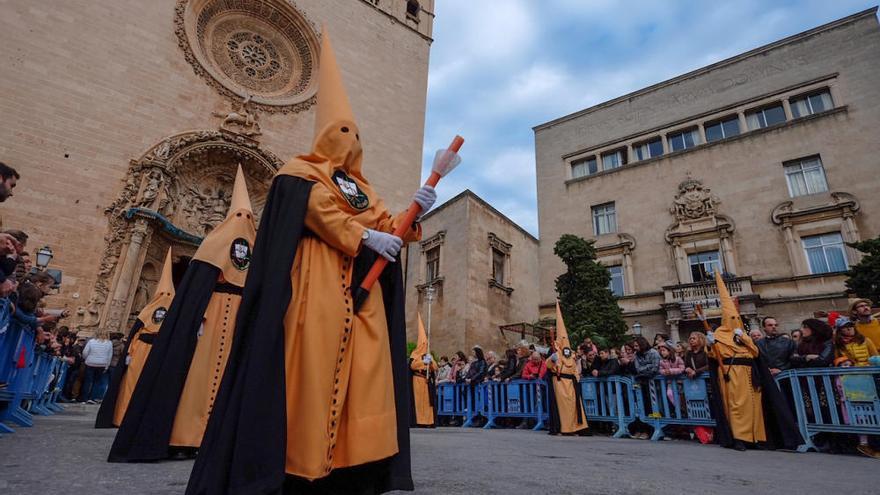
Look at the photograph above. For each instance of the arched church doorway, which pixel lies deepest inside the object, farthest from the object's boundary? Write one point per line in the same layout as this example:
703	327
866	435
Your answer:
171	197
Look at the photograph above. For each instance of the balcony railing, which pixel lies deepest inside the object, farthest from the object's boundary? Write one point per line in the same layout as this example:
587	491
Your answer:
698	291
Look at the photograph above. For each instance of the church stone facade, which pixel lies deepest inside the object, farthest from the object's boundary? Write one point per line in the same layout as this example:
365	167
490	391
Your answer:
763	165
127	120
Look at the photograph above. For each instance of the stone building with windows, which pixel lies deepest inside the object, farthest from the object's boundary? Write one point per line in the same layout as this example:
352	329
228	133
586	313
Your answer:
763	165
127	119
483	268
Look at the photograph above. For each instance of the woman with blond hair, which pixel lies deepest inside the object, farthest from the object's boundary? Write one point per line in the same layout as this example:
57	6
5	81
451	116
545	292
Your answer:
696	360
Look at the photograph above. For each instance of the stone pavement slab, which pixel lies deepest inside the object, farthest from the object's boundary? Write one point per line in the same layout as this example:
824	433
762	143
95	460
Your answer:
64	454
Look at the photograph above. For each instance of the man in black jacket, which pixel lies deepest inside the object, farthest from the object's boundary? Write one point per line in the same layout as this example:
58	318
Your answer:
776	349
605	365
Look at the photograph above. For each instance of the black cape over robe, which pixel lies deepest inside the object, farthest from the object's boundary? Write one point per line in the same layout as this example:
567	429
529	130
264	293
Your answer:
244	448
146	428
780	424
108	404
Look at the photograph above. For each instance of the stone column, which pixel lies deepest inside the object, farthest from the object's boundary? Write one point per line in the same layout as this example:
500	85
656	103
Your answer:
794	254
786	106
727	253
673	331
119	298
851	234
629	277
681	263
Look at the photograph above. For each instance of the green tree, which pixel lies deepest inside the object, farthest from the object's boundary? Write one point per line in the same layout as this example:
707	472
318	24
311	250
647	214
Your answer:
588	305
864	278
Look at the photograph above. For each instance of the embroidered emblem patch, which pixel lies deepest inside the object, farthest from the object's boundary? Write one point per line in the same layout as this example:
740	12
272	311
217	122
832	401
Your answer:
350	190
240	253
159	315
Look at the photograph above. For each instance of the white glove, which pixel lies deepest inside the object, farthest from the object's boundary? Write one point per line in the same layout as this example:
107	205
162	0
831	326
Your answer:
425	197
738	332
127	360
554	358
386	245
427	359
710	337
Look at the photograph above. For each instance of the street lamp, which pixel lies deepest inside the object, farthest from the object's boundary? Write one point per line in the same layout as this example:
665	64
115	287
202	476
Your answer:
44	256
637	328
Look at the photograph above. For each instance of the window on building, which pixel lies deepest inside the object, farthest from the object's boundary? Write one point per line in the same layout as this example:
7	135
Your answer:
650	149
432	264
765	117
805	177
722	129
583	167
703	265
413	9
613	159
616	283
682	140
825	253
810	104
498	261
604	219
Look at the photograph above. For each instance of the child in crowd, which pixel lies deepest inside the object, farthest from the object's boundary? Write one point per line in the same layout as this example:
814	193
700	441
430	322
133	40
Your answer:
852	349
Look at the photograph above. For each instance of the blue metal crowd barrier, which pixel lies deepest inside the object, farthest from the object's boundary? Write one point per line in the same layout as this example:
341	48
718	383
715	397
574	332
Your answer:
493	400
609	399
673	400
834	400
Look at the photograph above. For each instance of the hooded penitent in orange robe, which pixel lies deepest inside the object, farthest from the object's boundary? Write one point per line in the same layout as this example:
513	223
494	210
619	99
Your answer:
422	381
137	348
175	394
316	395
743	405
569	415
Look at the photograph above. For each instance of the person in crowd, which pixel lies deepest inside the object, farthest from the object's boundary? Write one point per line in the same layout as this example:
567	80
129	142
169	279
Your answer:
696	359
752	410
496	374
865	323
777	351
510	367
646	359
491	363
8	179
585	359
97	355
424	371
815	349
756	335
605	364
535	368
477	370
670	363
849	343
459	362
660	339
443	370
588	343
567	414
796	336
626	359
680	349
523	355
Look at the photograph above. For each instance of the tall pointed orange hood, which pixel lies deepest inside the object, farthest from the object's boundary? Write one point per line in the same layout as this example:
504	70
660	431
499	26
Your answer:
730	318
154	312
422	343
561	332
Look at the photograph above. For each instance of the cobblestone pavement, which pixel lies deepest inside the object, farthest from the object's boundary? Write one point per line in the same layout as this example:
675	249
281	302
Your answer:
64	454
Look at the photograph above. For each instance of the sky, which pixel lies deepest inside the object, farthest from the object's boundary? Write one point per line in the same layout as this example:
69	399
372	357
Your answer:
500	67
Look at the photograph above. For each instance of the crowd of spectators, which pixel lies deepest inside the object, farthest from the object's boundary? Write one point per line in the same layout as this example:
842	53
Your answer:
826	341
25	295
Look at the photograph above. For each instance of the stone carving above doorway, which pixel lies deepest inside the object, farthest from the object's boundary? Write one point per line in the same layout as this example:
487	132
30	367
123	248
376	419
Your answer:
264	48
693	201
178	190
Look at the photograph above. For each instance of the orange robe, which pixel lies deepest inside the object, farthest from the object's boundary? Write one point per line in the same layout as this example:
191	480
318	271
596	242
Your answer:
566	399
205	370
421	392
340	405
742	402
138	351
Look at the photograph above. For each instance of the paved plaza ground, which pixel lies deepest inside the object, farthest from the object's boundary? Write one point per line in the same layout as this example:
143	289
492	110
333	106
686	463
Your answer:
64	454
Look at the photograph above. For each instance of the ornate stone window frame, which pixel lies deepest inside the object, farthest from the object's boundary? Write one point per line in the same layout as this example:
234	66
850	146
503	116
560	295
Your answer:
698	227
619	253
437	240
497	244
805	216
